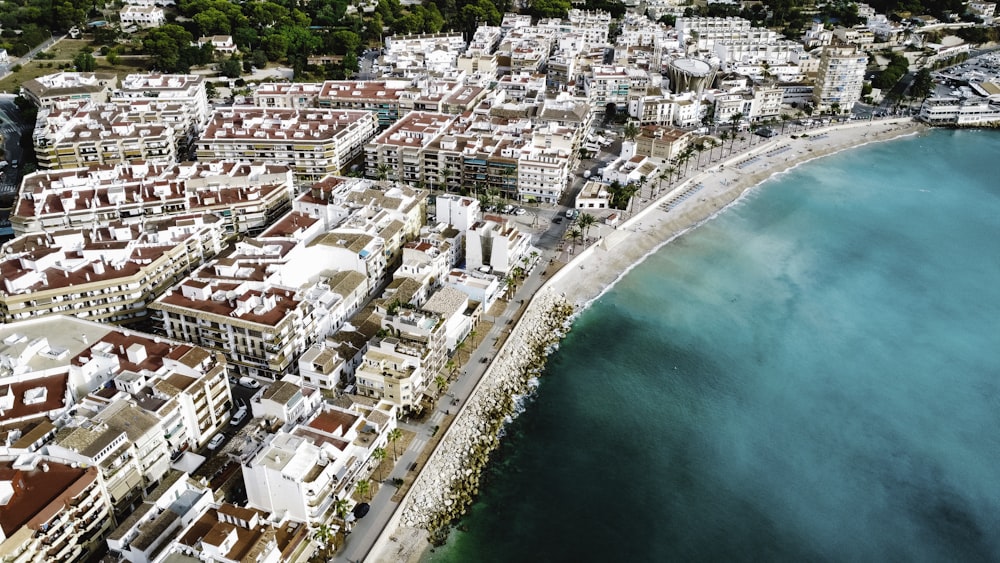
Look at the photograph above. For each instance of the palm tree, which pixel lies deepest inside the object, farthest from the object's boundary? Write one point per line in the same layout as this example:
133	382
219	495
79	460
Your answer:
734	120
631	131
382	172
394	435
378	454
785	118
340	508
363	487
753	129
574	234
586	221
446	179
324	535
664	177
440	381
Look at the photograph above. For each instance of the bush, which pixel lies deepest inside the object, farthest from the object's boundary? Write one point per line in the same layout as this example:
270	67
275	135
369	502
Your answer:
15	68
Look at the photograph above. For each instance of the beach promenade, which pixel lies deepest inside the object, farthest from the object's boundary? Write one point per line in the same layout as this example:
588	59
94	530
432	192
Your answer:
691	202
612	251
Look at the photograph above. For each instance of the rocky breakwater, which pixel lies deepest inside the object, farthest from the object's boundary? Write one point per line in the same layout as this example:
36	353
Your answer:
450	480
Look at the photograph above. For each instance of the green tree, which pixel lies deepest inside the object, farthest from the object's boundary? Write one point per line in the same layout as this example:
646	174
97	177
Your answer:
84	62
213	22
441	382
363	488
922	85
275	46
164	45
393	436
323	534
631	131
550	8
586	221
344	41
230	68
340	508
378	455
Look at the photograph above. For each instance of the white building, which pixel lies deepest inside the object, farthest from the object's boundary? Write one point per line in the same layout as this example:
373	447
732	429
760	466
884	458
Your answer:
496	244
840	79
313	142
177	502
457	211
142	16
302	472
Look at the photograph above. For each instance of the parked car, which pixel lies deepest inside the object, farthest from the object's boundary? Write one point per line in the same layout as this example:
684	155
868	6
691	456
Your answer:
249	382
239	415
557	220
520	211
216	441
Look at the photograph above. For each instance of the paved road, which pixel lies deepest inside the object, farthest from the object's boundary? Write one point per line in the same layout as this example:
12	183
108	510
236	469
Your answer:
5	69
547	235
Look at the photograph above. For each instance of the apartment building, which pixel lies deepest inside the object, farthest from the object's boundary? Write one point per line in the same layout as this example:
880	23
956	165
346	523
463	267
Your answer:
52	90
480	287
285	402
525	49
458	314
840	79
267	300
333	361
260	327
295	95
434	53
227	533
398	369
481	152
142	16
458	211
614	85
681	110
247	196
496	244
178	500
108	273
186	90
51	511
190	396
38	381
126	444
662	142
383	97
95	134
313	143
302	472
398	152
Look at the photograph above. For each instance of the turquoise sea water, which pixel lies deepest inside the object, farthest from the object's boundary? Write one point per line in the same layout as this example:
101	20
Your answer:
812	376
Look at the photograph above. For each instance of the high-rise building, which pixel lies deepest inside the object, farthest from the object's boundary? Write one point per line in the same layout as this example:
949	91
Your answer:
840	79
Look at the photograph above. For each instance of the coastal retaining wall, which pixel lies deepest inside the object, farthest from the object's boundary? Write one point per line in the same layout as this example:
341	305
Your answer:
450	479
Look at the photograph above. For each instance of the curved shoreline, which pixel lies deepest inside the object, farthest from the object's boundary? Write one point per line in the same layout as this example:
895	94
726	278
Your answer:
618	250
604	269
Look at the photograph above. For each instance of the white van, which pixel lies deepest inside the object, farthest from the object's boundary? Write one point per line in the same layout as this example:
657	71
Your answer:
249	382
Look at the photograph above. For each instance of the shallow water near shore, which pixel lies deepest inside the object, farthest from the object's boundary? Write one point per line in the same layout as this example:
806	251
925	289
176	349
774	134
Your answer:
814	375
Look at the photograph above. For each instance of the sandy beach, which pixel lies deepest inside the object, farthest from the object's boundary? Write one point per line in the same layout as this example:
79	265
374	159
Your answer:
675	211
702	196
